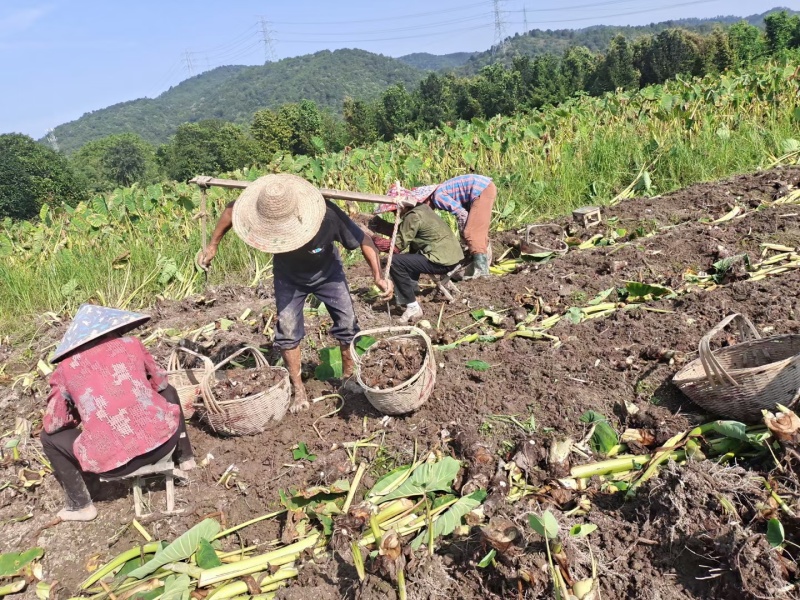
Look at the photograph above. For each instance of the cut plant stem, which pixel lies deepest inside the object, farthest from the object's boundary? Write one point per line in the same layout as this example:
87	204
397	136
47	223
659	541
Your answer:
117	562
230	530
354	486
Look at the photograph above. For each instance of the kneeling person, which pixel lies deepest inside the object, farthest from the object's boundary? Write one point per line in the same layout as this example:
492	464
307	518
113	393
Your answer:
432	248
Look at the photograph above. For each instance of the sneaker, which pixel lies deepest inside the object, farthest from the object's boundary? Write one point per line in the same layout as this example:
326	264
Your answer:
187	465
86	513
411	315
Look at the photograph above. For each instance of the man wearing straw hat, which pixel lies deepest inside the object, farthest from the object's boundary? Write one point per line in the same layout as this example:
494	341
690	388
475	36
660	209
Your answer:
111	410
287	216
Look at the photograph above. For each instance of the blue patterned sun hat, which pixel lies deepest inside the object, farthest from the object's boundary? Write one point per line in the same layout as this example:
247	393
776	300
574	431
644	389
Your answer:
92	322
417	194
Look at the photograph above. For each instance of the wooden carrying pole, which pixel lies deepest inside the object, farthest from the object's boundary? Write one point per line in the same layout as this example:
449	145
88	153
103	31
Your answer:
328	194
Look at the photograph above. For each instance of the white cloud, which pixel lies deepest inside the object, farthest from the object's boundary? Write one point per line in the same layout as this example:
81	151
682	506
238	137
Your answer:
21	20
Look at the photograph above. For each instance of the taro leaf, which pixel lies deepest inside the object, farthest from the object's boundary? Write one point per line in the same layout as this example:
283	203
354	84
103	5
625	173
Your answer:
176	587
327	524
731	429
478	365
446	523
604	437
637	289
330	366
363	343
487	560
388	481
775	534
302	452
493	317
12	562
574	315
149	594
582	530
601	297
206	556
181	549
428	477
546	525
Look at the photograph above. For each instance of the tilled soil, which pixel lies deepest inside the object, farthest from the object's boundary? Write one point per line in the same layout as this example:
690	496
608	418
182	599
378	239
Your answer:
388	363
675	540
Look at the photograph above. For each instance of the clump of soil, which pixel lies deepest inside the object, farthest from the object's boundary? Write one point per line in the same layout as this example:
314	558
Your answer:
240	383
389	363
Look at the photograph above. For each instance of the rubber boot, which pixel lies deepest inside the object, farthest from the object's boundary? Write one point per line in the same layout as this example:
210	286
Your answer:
481	266
349	383
292	360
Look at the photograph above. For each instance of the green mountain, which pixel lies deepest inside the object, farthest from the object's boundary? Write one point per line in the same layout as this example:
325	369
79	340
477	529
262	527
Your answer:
435	62
234	93
597	38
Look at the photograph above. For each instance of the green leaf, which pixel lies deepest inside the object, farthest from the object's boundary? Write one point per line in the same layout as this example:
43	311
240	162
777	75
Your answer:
13	587
731	429
582	530
493	317
775	534
69	288
206	556
330	366
487	560
181	549
428	477
574	315
388	481
302	452
604	437
546	525
637	289
12	562
478	365
601	297
447	522
176	587
363	343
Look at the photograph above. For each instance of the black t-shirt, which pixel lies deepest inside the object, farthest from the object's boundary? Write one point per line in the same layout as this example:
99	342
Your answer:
312	262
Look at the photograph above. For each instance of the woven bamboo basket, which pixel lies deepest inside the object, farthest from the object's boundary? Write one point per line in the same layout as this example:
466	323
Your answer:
412	393
739	381
248	415
185	380
530	239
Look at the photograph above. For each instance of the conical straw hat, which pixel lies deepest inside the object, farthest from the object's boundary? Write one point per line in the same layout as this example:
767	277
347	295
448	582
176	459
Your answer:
278	213
92	322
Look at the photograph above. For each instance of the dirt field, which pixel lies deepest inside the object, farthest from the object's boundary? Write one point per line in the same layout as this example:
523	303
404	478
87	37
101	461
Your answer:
674	540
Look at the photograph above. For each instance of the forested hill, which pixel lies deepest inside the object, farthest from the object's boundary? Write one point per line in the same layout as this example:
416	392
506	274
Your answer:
234	93
436	62
537	42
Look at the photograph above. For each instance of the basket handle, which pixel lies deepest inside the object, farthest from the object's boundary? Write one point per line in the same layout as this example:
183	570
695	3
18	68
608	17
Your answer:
393	329
715	372
174	362
205	384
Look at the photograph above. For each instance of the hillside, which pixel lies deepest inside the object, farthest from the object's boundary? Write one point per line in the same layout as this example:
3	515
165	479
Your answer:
554	41
435	62
234	93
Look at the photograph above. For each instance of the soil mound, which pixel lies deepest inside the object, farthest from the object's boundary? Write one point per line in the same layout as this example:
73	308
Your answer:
388	363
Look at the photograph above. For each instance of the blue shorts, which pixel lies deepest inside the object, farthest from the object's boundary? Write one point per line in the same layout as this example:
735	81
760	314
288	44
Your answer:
332	290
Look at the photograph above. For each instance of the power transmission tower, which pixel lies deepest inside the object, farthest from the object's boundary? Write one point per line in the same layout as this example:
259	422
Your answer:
525	17
187	60
499	28
51	139
266	36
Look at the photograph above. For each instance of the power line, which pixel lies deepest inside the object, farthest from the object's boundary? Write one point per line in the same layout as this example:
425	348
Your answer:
187	60
499	28
382	19
266	34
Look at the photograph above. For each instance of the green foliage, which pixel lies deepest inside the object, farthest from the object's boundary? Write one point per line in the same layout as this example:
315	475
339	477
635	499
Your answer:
672	52
546	525
426	478
206	556
746	42
775	534
116	161
209	147
182	548
478	365
782	31
33	175
604	437
302	453
12	562
616	70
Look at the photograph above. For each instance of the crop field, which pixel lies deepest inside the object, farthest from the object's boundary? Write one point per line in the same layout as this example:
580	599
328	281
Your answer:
555	458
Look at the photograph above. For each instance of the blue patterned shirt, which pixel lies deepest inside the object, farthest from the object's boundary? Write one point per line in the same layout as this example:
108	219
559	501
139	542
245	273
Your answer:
456	195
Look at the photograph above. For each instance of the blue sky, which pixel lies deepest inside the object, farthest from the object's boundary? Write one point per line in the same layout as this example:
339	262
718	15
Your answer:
61	59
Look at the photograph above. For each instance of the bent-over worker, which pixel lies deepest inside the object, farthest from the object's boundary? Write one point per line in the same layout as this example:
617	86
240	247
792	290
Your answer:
432	248
287	216
470	199
109	386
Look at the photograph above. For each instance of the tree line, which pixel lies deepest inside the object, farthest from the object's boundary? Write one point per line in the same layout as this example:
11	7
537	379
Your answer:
32	174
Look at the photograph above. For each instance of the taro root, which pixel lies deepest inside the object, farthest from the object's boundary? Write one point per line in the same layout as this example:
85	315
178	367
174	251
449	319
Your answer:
502	535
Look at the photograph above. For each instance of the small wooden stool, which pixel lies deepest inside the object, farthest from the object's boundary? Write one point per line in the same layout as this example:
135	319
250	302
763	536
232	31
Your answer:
588	216
165	467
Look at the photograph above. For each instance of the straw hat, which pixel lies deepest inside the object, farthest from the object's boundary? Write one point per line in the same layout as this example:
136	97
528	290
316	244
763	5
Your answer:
92	322
278	213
